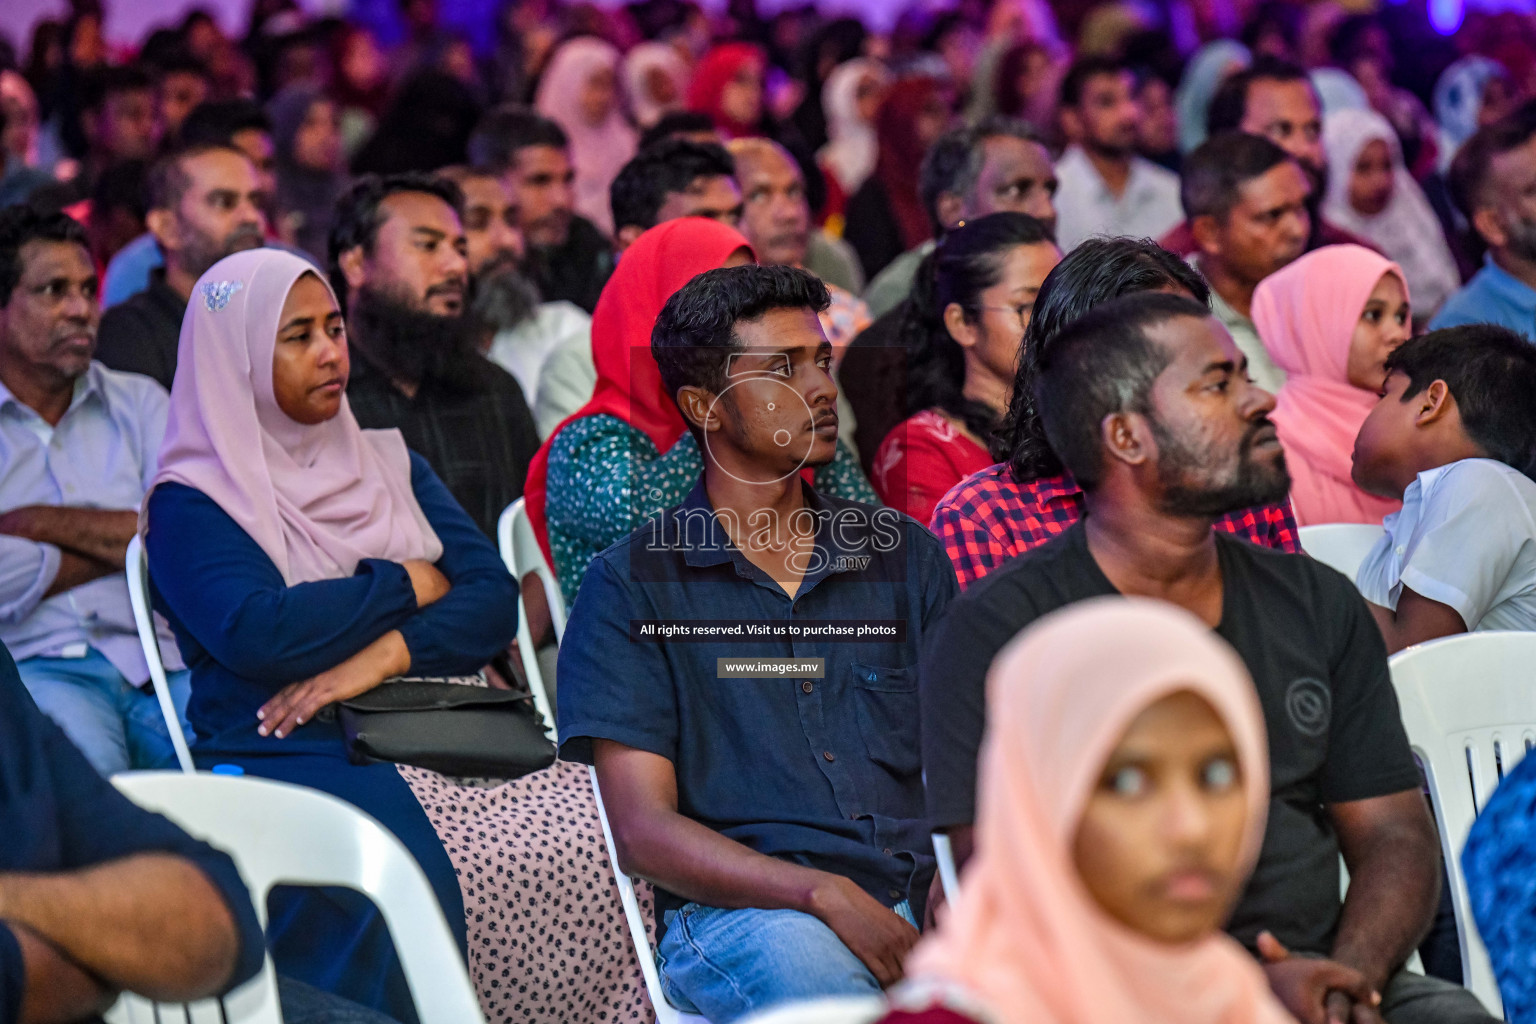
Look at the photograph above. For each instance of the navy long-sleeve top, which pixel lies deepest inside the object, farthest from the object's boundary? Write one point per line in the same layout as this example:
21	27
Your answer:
246	634
57	814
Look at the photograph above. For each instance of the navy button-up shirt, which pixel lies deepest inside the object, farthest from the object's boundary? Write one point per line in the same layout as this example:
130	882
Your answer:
822	771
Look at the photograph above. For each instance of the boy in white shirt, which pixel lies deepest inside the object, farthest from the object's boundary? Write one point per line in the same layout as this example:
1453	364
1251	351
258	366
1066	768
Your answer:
1453	436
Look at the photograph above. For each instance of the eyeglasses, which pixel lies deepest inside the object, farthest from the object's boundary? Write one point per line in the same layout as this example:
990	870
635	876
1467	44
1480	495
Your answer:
1022	312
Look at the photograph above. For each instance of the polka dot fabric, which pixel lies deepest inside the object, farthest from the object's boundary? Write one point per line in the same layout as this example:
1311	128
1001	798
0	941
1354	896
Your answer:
547	939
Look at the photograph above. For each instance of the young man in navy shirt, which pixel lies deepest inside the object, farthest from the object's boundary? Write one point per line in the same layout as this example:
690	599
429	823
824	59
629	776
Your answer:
778	808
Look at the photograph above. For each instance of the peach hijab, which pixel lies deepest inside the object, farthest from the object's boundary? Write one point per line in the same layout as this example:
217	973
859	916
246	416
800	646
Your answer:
1027	940
1306	314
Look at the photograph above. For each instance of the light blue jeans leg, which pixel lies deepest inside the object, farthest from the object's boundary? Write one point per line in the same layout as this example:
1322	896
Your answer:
149	740
726	964
116	725
85	703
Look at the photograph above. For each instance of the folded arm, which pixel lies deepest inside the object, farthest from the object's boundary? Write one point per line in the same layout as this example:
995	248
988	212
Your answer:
54	989
99	534
1416	620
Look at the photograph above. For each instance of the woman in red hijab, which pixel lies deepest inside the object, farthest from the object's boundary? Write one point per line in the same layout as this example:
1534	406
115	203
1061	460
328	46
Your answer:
886	216
625	455
728	86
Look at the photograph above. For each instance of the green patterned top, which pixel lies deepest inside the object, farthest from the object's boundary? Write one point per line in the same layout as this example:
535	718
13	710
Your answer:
606	478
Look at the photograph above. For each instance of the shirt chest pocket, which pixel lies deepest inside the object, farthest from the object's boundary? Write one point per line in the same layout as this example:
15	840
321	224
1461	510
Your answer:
886	703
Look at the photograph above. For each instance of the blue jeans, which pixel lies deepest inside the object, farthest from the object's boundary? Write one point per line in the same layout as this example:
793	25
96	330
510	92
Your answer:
726	964
305	1004
115	724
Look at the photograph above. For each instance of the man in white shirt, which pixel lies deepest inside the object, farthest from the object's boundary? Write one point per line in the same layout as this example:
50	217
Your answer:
78	445
1246	200
1106	188
1454	436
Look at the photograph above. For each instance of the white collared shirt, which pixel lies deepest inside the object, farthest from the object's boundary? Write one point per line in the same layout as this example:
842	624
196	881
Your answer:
1149	207
1466	537
101	454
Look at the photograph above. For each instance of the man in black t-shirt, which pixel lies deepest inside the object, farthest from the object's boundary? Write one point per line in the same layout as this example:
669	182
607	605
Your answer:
1147	402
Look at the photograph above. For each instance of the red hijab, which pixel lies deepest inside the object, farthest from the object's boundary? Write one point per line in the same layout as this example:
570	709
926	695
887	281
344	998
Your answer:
713	74
628	380
901	155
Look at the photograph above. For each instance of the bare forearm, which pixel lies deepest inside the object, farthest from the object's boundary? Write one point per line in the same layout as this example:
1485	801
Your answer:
96	533
152	923
1393	892
699	864
77	570
58	990
1416	620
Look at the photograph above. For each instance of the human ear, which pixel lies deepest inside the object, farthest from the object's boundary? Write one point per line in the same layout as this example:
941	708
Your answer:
1435	404
1207	234
961	329
1485	221
950	209
1071	124
699	407
351	264
162	224
1120	433
627	235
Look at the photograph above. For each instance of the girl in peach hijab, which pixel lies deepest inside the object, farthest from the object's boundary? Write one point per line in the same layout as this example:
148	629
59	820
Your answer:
1330	320
1122	803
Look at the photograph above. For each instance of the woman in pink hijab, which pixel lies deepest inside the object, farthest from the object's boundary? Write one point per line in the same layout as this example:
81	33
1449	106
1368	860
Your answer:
1329	320
301	561
1096	895
579	91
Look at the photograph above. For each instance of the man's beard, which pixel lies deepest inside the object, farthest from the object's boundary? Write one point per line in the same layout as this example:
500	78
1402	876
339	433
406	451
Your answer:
202	251
1522	238
1187	485
500	297
410	344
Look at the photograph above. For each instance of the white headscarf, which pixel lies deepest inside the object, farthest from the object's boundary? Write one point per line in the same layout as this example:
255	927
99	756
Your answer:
598	151
1407	231
852	147
639	64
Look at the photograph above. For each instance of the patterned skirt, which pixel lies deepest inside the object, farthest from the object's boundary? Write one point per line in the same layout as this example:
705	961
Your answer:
547	939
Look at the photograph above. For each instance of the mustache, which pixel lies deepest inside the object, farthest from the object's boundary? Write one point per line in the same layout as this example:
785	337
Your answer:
1251	435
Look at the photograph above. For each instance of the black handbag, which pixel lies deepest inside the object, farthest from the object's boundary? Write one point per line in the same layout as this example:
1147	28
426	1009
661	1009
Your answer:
452	728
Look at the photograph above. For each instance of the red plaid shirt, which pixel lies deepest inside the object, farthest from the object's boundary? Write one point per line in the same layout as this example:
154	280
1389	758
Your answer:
988	518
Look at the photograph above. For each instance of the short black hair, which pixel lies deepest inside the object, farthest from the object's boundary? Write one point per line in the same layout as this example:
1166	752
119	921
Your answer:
953	163
1230	104
1348	39
20	224
109	81
219	121
178	62
1491	372
1221	165
676	122
696	332
121	186
504	130
1468	177
168	180
1083	69
641	187
1103	363
358	218
1099	270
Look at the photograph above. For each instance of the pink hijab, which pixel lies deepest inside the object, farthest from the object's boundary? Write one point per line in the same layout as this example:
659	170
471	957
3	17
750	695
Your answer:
1306	314
1026	938
317	499
598	151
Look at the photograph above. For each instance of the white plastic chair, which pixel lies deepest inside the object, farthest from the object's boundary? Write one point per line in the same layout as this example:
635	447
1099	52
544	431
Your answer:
1342	546
280	834
949	875
521	552
839	1010
136	565
1470	711
666	1013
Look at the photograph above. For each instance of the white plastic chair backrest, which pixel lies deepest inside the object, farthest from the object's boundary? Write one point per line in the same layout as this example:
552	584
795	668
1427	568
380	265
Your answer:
521	554
284	834
949	875
1342	546
666	1013
1469	707
838	1010
136	565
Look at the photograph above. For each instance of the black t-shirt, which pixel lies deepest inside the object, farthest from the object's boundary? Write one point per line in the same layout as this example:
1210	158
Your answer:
1317	660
